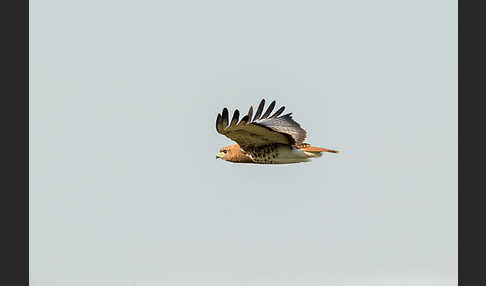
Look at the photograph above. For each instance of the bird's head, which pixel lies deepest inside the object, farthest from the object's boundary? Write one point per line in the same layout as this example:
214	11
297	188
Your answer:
232	153
225	153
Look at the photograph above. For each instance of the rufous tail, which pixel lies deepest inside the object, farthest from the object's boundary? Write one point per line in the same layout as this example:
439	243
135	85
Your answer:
308	148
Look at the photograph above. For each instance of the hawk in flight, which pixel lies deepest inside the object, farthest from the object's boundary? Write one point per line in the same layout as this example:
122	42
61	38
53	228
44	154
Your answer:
265	138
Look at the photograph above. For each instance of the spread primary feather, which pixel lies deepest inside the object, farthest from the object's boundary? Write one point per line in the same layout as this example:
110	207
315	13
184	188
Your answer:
265	139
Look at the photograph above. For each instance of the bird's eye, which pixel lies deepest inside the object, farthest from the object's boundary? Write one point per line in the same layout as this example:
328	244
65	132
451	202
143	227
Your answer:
224	151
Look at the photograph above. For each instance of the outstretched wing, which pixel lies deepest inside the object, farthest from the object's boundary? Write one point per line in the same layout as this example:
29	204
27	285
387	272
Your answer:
262	129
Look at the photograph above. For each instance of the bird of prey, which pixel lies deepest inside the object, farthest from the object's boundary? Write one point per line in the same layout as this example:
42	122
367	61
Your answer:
265	138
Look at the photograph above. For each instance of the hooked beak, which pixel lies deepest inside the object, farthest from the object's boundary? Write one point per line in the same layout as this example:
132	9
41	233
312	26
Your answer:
220	155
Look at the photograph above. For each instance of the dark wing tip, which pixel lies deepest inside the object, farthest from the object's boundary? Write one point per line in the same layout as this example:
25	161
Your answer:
236	116
224	118
259	110
269	110
279	111
219	124
250	112
244	120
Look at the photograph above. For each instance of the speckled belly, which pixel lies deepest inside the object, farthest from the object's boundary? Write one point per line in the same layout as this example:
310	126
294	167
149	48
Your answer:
276	154
265	154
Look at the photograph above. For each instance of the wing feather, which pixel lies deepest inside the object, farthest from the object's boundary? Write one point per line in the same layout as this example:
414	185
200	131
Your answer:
250	112
287	125
236	117
259	110
261	131
278	112
269	110
244	120
219	124
225	118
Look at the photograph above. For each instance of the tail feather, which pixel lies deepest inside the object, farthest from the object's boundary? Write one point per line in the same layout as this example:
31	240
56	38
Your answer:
317	149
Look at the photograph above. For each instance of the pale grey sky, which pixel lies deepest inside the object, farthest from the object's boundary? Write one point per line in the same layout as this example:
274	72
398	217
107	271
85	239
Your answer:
124	185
